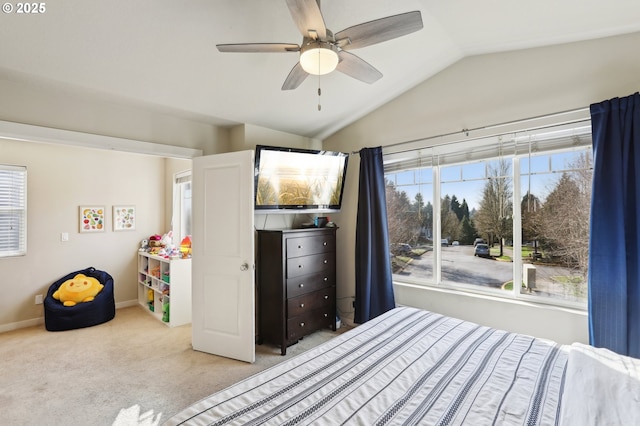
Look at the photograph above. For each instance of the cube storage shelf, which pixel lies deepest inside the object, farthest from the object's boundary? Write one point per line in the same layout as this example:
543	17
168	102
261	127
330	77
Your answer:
164	288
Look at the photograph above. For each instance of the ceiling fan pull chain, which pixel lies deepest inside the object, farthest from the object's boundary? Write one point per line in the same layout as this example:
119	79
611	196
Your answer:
319	93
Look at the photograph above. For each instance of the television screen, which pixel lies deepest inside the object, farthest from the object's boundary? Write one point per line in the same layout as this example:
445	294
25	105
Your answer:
299	179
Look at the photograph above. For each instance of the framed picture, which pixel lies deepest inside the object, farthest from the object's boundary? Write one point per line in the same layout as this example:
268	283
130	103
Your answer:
91	218
124	218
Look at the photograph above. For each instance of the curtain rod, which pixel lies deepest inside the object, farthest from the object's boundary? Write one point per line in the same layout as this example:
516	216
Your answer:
492	126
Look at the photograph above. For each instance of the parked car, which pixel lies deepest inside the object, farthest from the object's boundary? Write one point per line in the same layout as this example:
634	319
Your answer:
444	242
479	241
481	250
401	248
455	243
404	248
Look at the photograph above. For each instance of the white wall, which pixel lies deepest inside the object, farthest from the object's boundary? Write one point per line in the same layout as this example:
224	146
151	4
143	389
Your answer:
483	91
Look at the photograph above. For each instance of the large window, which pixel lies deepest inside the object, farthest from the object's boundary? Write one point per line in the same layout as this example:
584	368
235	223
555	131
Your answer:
13	210
482	215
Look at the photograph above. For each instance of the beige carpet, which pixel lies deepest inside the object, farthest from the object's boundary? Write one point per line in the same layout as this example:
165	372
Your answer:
133	363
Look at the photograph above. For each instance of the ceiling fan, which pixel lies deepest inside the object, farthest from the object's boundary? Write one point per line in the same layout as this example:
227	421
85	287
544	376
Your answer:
322	51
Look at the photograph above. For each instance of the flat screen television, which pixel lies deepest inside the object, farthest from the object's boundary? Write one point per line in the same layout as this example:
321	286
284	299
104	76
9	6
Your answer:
289	180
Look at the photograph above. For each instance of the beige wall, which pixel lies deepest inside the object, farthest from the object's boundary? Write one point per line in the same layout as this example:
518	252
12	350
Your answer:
51	104
59	180
473	93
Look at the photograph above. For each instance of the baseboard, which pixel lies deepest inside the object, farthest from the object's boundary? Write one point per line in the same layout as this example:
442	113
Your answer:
38	321
127	304
21	324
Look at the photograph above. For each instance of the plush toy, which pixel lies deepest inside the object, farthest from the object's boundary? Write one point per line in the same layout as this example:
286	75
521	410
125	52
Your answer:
185	247
155	241
79	289
165	311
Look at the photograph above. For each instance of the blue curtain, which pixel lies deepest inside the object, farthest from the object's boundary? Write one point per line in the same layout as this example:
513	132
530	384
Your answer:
614	245
374	289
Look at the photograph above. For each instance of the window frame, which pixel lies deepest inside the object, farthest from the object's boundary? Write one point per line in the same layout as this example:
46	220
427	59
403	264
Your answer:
18	190
178	213
459	149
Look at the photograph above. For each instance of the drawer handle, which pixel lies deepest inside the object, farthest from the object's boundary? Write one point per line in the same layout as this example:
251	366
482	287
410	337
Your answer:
302	305
300	247
300	285
326	315
324	243
300	266
301	324
326	296
326	261
326	279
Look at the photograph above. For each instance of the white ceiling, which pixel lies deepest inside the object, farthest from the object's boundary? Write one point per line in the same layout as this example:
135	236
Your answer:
162	54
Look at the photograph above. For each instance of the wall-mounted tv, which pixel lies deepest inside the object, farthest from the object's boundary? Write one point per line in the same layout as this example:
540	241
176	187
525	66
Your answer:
291	180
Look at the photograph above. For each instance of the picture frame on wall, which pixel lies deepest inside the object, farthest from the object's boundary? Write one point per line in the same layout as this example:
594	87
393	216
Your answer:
124	218
91	218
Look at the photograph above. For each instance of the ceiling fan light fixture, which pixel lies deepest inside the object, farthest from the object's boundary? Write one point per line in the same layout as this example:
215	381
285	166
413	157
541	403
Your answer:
318	57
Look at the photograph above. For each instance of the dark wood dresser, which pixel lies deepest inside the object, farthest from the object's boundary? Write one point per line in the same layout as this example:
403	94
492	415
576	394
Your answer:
296	283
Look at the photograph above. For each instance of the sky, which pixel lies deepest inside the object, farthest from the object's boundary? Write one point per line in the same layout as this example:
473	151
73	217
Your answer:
467	181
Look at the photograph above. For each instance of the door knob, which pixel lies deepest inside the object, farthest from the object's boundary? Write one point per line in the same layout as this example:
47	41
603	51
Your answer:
244	266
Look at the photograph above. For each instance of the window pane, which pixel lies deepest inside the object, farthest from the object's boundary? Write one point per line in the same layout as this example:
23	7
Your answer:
181	221
186	209
410	218
472	209
555	226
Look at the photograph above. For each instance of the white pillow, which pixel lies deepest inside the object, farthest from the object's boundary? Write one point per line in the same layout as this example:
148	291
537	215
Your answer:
601	388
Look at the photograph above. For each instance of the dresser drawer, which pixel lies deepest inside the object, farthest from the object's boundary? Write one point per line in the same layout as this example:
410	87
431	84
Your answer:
303	246
310	264
308	283
308	302
302	325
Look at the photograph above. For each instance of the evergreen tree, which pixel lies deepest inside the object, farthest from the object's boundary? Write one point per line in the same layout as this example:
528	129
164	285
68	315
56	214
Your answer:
467	231
455	207
464	208
531	210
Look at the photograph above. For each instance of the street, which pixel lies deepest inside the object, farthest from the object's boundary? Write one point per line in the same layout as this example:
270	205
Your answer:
459	265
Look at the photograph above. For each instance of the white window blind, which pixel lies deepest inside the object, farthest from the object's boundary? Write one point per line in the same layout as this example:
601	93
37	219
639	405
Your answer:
564	136
13	210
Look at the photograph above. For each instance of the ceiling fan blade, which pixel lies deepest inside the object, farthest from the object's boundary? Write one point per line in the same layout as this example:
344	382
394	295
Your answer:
258	47
295	78
357	68
380	30
308	17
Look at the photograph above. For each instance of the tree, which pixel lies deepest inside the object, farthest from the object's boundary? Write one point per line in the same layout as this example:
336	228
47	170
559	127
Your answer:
427	220
565	216
398	215
494	217
455	207
449	223
531	210
464	209
467	231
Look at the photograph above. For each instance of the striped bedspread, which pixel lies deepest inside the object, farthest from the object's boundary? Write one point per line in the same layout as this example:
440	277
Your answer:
407	366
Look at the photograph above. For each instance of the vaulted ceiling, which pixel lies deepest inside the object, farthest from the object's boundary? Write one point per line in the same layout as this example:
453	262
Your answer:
162	53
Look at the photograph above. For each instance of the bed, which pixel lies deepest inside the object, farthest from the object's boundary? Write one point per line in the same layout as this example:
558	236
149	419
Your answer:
411	366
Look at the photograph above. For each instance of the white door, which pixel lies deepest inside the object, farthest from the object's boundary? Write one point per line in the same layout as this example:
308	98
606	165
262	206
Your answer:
223	255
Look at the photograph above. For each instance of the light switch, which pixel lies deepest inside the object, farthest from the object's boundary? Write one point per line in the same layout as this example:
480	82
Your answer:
64	236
